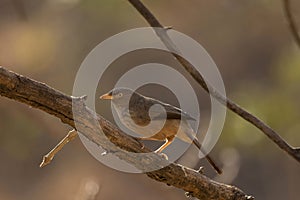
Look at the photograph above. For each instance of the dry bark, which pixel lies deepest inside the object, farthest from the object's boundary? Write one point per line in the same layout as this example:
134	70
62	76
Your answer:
47	99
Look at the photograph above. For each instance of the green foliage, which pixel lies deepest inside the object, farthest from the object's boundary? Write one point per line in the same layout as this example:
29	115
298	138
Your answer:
276	103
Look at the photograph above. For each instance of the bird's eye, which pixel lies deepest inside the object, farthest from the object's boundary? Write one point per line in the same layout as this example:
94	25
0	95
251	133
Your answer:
120	94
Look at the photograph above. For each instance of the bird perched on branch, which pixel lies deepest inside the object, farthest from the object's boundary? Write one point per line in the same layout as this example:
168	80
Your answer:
133	111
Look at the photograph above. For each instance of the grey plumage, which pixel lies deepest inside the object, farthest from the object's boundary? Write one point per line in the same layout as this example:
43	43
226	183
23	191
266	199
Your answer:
133	111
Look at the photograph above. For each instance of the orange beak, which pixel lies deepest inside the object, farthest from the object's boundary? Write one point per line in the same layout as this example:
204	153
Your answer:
106	96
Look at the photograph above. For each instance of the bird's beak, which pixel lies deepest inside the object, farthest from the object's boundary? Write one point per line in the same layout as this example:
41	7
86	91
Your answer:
106	96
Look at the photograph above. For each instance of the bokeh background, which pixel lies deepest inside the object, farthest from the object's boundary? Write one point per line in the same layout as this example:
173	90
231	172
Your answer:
249	41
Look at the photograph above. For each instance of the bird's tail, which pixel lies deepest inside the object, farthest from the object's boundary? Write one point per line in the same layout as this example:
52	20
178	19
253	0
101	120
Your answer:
209	159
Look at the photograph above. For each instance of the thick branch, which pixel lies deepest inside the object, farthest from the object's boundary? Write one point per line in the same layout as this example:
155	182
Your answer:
268	131
45	98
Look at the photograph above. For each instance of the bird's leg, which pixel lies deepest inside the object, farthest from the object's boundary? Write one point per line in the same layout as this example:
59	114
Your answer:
169	140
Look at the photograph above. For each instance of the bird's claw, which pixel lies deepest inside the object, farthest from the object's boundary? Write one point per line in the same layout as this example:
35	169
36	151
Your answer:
164	156
189	194
201	170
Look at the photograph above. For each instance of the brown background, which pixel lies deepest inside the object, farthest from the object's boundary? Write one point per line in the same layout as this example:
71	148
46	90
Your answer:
249	40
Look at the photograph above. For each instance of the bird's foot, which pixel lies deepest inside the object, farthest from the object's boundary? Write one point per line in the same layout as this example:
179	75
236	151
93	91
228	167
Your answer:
201	170
164	156
189	195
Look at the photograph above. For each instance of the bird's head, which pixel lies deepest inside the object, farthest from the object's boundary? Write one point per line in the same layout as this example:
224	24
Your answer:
119	96
117	93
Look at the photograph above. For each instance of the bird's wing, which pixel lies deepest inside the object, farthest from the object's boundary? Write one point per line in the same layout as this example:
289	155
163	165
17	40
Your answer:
172	112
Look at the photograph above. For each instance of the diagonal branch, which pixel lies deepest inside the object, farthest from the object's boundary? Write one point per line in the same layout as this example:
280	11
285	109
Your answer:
49	156
291	21
49	100
268	131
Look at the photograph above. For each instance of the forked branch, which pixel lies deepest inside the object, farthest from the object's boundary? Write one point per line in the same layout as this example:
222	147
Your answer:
47	99
268	131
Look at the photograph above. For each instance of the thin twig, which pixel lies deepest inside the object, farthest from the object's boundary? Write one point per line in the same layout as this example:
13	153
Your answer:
291	21
49	156
49	100
268	131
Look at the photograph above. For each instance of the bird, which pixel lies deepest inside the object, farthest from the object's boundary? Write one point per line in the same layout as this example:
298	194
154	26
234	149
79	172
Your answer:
133	108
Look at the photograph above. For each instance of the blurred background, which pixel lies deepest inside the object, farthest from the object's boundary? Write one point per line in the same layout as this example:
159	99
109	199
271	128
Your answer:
249	41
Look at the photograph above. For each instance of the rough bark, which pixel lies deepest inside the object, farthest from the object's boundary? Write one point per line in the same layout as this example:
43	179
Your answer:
47	99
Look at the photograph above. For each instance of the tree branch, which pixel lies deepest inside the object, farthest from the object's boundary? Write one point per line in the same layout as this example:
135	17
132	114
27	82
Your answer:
49	156
268	131
43	97
291	21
